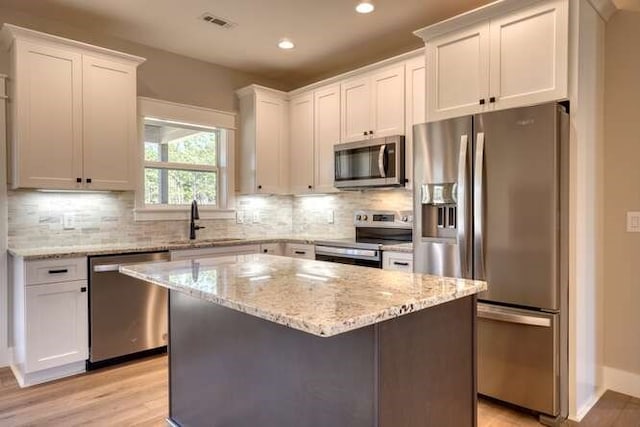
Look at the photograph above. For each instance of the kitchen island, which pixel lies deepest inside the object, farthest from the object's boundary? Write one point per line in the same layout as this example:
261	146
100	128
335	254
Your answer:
261	340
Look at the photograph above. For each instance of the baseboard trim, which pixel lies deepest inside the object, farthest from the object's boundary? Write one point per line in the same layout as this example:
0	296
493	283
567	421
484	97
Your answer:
622	381
584	409
39	377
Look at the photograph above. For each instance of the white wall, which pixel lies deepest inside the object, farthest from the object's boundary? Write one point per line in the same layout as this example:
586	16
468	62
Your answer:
622	194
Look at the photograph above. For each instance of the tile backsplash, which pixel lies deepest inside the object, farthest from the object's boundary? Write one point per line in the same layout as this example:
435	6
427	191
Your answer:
36	218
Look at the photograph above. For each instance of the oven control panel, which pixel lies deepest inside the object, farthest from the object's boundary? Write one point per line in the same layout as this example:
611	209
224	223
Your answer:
403	219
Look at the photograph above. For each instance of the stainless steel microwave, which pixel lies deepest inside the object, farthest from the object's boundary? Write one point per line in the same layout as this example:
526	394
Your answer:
375	162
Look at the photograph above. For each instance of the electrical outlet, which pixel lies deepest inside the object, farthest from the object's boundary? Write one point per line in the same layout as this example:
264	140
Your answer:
68	221
239	217
330	217
633	222
256	216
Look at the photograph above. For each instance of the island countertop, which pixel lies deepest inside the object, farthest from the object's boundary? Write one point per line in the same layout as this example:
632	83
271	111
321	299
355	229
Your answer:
320	298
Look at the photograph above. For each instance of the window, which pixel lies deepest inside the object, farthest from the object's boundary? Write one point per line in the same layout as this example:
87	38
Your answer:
186	156
180	164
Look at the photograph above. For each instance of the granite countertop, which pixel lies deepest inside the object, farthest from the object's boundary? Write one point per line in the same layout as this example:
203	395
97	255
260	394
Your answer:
316	297
110	249
400	247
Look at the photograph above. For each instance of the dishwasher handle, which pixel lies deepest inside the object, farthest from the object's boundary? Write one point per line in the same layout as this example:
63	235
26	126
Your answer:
104	268
495	313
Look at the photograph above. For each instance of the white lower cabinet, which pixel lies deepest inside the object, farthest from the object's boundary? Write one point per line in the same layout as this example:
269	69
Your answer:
399	261
50	319
298	250
215	251
271	248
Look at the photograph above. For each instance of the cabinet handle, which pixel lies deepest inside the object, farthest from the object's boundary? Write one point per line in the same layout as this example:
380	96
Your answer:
492	99
300	252
78	179
482	101
83	289
88	180
59	271
404	264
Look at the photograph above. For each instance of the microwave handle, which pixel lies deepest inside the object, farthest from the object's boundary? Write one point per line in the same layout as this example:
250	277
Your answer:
382	164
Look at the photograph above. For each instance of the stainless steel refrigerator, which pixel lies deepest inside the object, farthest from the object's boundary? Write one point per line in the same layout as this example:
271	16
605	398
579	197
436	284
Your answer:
491	204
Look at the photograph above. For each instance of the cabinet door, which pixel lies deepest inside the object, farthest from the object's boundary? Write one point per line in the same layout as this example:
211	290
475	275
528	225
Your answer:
529	54
270	135
356	109
109	107
301	141
57	325
398	261
327	133
458	73
47	134
388	106
415	101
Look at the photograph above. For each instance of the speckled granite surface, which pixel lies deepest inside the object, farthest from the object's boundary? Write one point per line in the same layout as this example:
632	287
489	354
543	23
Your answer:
316	297
401	247
89	250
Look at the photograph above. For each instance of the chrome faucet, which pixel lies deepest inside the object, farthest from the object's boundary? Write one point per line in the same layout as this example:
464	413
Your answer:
194	215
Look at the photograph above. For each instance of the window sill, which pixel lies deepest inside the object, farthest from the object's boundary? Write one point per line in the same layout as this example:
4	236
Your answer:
182	213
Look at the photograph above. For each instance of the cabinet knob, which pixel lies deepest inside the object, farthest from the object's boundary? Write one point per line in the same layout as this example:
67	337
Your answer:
482	101
309	187
370	132
265	250
88	180
364	133
259	187
78	179
492	99
83	289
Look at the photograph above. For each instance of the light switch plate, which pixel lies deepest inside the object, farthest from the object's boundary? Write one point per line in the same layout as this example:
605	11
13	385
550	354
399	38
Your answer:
633	222
330	217
68	221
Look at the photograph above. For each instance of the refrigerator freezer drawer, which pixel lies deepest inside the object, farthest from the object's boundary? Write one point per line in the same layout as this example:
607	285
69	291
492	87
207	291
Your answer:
518	357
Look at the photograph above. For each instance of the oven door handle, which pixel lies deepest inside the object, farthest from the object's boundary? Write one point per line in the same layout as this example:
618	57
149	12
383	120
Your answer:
382	164
347	252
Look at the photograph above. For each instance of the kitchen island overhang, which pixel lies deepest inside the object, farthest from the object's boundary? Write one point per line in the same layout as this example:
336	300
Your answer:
292	342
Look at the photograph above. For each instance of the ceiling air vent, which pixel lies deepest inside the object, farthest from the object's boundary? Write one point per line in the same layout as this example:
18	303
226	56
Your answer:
218	21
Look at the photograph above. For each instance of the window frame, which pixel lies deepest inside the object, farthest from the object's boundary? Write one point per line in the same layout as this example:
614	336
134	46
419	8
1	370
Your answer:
188	115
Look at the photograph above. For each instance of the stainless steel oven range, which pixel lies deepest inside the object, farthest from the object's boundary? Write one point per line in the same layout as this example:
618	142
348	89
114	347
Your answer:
373	230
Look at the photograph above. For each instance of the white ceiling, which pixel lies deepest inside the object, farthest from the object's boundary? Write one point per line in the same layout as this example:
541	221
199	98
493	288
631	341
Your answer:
330	37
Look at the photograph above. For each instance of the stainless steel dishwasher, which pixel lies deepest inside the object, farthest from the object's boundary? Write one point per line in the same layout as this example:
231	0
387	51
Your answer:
127	316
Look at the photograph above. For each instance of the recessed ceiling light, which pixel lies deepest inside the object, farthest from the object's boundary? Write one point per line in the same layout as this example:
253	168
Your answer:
365	7
286	44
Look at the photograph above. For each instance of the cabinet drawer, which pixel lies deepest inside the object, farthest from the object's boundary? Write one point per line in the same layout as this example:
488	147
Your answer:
271	248
399	261
215	251
55	270
300	251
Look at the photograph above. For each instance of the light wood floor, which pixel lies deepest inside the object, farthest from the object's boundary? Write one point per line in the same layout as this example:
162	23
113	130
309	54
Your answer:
135	394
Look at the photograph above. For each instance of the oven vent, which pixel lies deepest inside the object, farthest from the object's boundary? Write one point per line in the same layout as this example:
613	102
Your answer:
218	21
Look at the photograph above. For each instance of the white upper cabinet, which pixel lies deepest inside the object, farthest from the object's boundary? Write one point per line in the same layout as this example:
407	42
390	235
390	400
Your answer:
529	55
301	119
458	72
73	117
109	155
515	54
327	134
373	104
264	141
415	108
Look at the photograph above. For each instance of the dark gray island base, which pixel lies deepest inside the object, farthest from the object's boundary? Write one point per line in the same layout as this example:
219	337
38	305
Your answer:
228	368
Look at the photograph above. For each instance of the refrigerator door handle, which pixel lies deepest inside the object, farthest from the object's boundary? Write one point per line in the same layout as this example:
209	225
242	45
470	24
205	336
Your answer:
478	208
381	162
494	313
462	206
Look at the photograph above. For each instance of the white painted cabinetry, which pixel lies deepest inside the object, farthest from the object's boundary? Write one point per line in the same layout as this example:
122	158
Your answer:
373	104
301	119
415	108
398	261
73	117
182	254
264	141
272	248
50	318
299	250
502	56
326	135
